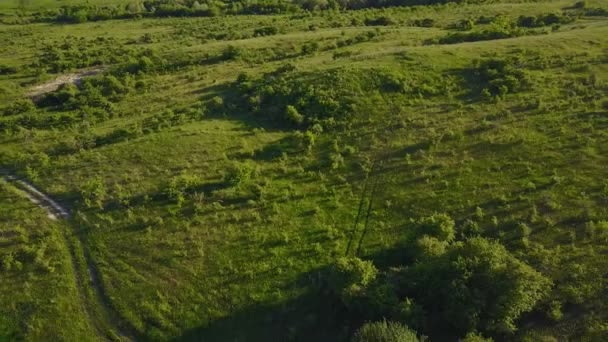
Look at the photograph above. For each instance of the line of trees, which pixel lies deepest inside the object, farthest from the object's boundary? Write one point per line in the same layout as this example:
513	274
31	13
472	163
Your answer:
208	8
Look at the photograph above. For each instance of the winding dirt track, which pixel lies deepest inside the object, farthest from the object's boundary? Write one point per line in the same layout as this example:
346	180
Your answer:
55	211
109	318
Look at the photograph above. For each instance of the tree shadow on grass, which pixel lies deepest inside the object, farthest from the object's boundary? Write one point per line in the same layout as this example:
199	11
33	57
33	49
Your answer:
314	316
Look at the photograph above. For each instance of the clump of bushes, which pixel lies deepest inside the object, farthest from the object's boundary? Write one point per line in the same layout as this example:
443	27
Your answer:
500	28
20	106
426	22
179	185
265	31
544	20
96	92
461	287
328	99
380	21
7	70
385	331
75	53
499	76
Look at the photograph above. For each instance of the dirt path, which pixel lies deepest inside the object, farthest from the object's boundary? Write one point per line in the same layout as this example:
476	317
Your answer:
101	314
54	210
73	78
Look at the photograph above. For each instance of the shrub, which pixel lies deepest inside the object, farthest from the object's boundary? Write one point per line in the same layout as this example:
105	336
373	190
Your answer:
238	174
324	99
499	29
429	247
543	20
349	277
178	185
384	331
310	48
426	22
497	77
20	106
232	53
475	337
265	31
7	70
93	192
439	226
294	116
379	21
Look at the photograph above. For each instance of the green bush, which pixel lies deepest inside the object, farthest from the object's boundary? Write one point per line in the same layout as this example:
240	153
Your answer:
499	29
93	192
239	174
7	70
498	77
439	226
384	331
380	21
543	20
20	106
478	285
426	22
265	31
349	277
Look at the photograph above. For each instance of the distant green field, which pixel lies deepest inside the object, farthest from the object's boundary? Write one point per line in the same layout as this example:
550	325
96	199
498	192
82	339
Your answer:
218	167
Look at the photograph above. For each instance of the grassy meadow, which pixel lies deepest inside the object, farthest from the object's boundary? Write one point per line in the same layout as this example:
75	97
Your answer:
218	167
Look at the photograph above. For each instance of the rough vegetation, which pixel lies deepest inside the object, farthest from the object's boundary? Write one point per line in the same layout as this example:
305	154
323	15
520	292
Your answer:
306	170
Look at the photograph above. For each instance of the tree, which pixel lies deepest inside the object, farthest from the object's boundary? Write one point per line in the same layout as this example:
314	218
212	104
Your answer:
384	331
478	285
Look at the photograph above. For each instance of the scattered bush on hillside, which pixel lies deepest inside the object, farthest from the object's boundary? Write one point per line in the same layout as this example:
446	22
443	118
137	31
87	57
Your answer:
93	193
327	99
384	331
544	20
349	277
20	106
596	12
178	186
7	70
478	285
500	28
265	31
426	22
497	77
76	53
380	21
439	226
239	174
458	286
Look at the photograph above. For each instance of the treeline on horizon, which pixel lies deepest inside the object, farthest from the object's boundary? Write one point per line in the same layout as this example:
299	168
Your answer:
210	8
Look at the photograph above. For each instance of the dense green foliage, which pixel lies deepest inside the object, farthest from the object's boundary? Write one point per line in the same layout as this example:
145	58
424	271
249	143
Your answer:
303	171
40	298
385	332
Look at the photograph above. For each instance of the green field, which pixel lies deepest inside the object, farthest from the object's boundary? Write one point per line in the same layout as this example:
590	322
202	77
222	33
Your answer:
220	169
